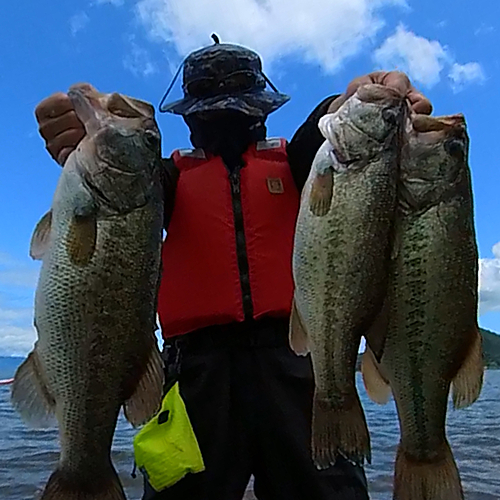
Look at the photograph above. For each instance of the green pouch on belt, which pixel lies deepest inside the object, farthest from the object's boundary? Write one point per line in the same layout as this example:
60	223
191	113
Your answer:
166	448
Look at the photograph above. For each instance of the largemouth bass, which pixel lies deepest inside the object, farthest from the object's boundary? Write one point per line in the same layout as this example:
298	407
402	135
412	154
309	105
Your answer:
432	339
341	251
95	302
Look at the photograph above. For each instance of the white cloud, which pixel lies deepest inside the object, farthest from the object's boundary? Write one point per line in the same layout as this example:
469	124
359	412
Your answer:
489	282
138	60
424	60
16	341
325	32
484	29
17	333
465	74
78	22
17	286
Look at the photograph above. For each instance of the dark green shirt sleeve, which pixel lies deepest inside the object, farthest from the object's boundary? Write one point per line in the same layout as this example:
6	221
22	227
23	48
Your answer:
305	143
169	178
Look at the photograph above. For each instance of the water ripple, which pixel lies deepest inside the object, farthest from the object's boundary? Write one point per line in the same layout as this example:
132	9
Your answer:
29	456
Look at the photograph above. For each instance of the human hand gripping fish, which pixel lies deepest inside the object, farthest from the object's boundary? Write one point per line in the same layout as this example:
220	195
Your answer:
95	302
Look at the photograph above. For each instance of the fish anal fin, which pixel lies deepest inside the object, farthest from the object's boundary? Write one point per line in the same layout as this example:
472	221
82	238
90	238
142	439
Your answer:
146	399
31	396
377	332
468	382
320	197
376	383
41	237
438	478
298	334
81	239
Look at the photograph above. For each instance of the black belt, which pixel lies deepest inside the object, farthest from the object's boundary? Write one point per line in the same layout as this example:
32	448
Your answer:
266	332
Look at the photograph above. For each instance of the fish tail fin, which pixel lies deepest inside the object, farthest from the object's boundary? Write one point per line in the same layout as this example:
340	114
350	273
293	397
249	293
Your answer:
468	382
339	431
65	486
439	478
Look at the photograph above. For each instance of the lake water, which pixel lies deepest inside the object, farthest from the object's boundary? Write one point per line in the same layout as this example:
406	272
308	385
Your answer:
28	456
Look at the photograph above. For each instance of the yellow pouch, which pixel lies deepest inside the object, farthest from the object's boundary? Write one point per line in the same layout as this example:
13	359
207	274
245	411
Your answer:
166	448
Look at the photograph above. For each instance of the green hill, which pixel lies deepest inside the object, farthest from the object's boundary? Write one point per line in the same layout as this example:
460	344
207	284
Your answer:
491	350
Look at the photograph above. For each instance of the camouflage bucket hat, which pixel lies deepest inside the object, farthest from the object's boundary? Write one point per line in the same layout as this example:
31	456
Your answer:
221	77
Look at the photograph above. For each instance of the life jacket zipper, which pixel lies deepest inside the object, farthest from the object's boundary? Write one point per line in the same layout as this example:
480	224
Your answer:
241	248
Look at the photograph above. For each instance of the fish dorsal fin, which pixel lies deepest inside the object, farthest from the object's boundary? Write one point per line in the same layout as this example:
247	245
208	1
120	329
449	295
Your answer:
41	237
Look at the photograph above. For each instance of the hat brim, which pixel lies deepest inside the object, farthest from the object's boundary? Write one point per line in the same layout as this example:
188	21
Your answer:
255	103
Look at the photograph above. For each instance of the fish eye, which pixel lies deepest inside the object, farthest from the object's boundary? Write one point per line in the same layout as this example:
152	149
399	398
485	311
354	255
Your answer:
151	138
390	115
455	146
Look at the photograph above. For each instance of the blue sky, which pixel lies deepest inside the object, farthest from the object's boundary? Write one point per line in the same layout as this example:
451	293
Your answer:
311	49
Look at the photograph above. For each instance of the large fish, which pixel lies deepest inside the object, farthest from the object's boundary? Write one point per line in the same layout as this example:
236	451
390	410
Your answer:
95	303
341	251
432	340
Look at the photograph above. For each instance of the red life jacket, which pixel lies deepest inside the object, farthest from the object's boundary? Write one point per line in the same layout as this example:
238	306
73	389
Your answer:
202	281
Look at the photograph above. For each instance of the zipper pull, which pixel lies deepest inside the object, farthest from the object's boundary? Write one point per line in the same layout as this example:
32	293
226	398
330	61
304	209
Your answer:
234	177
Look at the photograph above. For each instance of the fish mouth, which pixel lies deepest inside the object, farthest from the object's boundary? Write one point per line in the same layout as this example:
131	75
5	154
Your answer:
380	94
342	165
88	108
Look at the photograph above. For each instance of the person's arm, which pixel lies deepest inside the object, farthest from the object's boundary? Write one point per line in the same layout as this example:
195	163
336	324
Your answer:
305	143
169	178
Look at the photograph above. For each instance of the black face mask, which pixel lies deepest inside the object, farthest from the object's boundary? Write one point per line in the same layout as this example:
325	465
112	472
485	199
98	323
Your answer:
226	133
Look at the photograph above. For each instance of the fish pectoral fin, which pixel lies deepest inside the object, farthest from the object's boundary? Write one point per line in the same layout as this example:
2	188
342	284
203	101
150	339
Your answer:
147	396
31	396
298	337
376	382
468	382
320	197
81	240
41	237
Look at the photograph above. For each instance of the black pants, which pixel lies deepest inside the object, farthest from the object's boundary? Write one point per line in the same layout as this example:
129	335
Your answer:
249	398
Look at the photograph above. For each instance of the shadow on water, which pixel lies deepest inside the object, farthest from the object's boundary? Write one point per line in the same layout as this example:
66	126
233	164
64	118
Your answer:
28	456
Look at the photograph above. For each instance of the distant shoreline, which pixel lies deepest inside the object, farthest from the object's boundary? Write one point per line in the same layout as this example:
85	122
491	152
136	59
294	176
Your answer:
491	348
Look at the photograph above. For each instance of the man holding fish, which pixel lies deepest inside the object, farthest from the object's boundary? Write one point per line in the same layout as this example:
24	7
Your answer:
225	297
